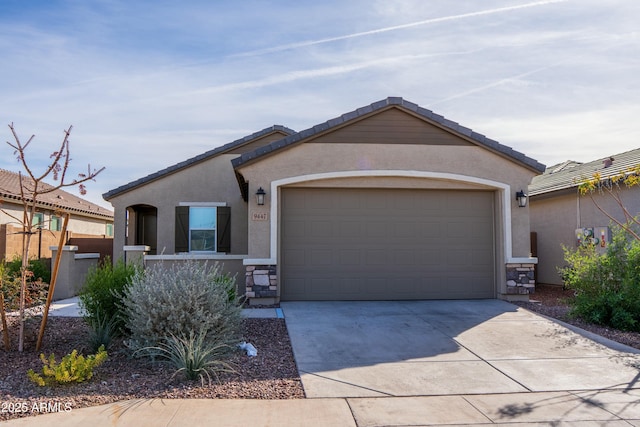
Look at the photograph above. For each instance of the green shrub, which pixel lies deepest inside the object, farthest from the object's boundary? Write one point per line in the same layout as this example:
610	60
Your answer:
72	368
195	356
607	285
10	283
102	293
39	269
184	300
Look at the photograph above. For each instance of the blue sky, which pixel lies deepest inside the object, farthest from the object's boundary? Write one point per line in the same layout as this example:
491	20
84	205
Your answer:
147	84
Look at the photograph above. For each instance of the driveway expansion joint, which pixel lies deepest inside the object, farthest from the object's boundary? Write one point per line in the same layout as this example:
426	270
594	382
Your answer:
347	383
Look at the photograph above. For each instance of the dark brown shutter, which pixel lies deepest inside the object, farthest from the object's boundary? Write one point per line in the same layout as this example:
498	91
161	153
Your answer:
224	229
182	229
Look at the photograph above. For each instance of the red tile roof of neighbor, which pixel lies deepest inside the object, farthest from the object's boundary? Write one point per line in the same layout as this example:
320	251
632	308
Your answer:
57	199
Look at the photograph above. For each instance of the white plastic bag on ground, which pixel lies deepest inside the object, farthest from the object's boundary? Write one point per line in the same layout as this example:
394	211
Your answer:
249	348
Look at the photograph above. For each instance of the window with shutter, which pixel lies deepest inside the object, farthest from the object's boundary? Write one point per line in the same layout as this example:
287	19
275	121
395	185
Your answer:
224	229
182	229
203	229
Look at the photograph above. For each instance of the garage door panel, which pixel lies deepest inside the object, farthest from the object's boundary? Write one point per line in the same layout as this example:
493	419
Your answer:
459	229
481	257
320	258
430	257
293	258
376	257
405	229
429	229
349	229
403	257
386	244
374	229
349	257
295	230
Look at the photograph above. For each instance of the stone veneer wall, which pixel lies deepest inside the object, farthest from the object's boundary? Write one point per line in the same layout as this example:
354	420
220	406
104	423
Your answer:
520	279
261	281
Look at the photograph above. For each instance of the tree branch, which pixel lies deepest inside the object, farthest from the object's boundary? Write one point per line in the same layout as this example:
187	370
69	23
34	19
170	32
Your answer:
624	226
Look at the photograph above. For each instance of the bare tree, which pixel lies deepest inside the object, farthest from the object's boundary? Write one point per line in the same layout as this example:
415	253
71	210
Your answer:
33	186
612	186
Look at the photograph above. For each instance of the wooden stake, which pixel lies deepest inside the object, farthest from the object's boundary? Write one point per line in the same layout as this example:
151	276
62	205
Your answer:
7	342
54	276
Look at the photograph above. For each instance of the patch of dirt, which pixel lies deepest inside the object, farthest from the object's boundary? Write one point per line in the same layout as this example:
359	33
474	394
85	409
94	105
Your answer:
553	301
272	374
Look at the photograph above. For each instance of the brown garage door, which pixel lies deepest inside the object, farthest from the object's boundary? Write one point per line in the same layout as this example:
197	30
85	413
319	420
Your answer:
386	244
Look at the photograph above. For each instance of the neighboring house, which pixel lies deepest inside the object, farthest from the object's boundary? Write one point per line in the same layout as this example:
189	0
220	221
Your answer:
561	216
390	201
86	220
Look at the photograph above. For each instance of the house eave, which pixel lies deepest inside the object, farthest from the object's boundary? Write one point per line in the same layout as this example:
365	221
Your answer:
17	200
195	160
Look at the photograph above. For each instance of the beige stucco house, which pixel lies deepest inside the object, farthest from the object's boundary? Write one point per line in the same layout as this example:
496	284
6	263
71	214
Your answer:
390	201
87	219
561	216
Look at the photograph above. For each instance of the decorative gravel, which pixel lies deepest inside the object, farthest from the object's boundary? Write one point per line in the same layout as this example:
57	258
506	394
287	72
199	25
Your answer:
272	374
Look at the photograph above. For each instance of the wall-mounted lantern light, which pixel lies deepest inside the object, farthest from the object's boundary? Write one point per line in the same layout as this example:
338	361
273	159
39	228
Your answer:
521	197
260	196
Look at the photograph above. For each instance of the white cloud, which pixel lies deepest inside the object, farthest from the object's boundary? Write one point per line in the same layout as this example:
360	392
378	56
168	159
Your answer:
398	27
582	136
148	84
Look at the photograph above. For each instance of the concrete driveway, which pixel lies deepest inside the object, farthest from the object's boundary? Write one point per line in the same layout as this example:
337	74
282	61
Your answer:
434	348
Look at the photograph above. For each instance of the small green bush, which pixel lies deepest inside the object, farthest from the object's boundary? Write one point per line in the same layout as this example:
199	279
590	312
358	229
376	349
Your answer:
183	300
71	369
607	285
102	293
39	269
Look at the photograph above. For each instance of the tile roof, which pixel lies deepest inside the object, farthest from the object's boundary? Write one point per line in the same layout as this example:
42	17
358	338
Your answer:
475	137
57	199
568	174
197	159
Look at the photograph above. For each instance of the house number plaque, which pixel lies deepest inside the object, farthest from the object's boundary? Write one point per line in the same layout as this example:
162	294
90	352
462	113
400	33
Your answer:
260	216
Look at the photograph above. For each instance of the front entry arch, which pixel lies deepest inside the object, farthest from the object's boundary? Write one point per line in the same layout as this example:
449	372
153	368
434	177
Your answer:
143	226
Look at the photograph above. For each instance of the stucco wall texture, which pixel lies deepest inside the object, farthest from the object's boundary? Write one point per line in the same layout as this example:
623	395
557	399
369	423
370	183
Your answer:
556	216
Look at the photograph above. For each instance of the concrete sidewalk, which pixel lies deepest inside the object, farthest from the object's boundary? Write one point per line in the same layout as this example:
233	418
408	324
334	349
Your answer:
70	308
618	407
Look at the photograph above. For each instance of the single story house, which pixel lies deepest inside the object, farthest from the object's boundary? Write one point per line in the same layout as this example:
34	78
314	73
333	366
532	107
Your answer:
87	219
387	202
561	216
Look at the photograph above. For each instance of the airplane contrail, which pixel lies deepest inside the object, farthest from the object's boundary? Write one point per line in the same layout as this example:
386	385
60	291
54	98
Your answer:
498	82
398	27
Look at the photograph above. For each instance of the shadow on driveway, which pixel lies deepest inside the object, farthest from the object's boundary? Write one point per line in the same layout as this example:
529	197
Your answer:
423	348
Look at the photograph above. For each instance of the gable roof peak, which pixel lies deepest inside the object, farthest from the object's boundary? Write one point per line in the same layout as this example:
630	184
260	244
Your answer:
394	101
